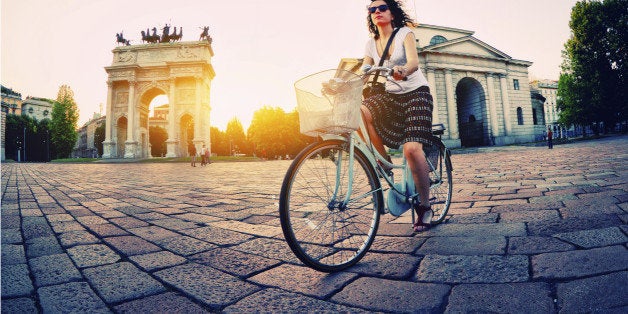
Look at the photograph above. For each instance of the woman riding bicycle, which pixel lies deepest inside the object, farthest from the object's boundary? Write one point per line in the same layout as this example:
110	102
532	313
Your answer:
400	117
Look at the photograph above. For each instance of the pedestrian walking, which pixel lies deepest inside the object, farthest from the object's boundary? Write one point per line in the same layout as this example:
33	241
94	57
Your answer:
550	145
192	153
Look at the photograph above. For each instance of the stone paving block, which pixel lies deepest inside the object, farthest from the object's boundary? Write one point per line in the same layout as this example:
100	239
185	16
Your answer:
275	249
152	233
594	237
73	297
13	254
128	222
384	244
16	281
234	262
34	227
11	236
536	245
258	230
122	282
184	245
198	218
595	294
72	238
390	266
527	216
43	246
551	227
60	217
490	245
106	230
212	287
473	269
169	302
525	297
53	269
475	218
580	263
279	301
92	255
304	280
218	236
174	224
91	220
157	260
393	296
66	226
19	306
131	245
32	212
477	230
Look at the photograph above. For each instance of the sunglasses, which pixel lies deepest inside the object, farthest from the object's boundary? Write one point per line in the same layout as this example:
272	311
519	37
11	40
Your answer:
381	8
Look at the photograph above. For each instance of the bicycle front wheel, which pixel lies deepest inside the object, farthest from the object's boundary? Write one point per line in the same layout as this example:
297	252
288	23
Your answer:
323	230
440	183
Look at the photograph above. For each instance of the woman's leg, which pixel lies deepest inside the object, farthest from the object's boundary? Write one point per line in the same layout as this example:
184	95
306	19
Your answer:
413	151
375	138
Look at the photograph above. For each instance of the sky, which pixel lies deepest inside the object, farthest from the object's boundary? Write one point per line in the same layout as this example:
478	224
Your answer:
261	46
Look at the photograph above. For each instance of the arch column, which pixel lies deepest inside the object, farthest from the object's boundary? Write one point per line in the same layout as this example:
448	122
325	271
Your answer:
130	146
451	106
198	121
505	104
431	79
172	141
490	85
109	146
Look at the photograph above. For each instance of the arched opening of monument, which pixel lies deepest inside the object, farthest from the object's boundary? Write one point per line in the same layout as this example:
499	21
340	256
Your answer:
121	130
153	106
472	122
186	133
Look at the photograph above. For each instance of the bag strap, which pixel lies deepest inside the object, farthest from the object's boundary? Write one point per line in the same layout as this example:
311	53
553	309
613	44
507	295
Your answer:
385	53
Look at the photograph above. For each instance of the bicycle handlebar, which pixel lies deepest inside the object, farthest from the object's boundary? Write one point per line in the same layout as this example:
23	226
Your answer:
384	71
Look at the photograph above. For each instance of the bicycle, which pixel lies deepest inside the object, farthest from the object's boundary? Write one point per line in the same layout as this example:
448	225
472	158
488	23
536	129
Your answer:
332	197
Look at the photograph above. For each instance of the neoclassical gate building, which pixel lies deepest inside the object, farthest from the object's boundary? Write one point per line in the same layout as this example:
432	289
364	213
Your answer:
481	94
182	71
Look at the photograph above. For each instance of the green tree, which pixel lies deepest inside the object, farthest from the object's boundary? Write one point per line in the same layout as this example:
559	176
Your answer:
275	133
220	143
99	138
64	122
592	86
27	137
158	137
236	137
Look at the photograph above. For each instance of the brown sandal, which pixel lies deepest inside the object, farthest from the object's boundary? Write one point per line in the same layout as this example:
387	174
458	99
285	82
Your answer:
420	225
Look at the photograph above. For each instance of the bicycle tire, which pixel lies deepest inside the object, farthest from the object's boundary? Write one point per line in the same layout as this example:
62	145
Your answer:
441	183
321	234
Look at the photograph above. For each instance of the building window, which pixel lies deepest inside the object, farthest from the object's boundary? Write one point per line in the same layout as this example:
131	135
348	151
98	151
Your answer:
534	117
515	82
519	116
437	40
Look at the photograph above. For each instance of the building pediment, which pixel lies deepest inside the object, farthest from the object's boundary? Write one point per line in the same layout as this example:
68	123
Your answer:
467	45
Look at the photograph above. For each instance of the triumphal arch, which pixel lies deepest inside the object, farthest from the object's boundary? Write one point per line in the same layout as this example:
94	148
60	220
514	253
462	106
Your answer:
182	71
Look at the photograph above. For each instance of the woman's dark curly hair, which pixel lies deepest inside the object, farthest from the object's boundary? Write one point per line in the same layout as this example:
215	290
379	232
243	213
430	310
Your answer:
400	18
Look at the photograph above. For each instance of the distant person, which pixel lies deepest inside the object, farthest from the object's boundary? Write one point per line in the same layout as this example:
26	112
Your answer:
203	155
192	153
206	154
550	134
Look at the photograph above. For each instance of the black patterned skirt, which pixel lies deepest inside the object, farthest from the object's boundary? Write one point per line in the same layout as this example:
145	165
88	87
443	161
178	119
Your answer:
403	118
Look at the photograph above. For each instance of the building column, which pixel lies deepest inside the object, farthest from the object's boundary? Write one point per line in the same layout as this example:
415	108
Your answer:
452	113
431	79
131	141
109	146
490	85
198	121
172	142
505	104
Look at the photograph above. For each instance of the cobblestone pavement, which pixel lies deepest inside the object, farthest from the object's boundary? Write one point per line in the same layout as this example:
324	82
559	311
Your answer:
530	230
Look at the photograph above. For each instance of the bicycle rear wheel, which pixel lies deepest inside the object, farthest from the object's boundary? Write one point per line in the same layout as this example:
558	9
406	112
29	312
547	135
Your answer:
322	231
441	185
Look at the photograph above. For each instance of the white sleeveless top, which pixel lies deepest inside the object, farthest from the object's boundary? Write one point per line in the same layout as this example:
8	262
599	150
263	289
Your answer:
398	57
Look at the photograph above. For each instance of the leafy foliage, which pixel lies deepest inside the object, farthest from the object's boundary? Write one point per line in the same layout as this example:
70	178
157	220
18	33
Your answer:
158	137
592	87
275	133
99	138
27	136
64	122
